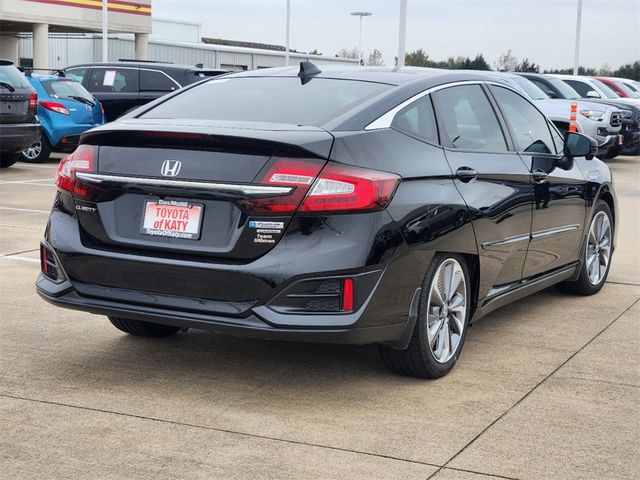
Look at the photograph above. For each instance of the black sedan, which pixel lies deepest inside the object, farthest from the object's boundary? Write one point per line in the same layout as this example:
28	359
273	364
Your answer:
343	206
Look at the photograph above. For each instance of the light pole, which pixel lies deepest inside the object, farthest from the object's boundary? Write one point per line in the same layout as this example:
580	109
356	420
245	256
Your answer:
286	53
576	58
105	31
402	33
361	14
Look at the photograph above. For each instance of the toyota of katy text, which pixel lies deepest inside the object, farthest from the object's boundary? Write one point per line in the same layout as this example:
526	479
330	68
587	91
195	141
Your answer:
344	206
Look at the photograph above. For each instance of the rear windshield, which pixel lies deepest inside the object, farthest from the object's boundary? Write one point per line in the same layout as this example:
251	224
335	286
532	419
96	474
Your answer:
10	75
67	89
268	99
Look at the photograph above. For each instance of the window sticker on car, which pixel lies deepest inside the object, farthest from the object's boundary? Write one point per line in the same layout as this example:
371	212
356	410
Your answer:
109	78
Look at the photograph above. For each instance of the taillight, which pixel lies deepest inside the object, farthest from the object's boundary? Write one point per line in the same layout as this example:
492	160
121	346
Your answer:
81	160
341	188
33	101
54	107
298	174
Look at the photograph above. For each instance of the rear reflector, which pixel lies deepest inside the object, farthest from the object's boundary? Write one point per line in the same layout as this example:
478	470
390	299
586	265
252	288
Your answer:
48	264
347	295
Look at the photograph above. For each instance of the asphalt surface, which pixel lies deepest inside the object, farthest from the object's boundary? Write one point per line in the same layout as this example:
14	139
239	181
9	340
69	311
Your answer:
546	388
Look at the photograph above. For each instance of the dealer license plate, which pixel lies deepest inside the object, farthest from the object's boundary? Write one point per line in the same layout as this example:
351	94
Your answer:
171	218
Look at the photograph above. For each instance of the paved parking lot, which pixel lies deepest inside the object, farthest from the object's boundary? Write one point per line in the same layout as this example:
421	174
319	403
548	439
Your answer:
546	388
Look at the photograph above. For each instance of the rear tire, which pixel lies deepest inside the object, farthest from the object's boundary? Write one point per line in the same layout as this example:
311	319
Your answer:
8	159
38	152
596	254
441	326
142	329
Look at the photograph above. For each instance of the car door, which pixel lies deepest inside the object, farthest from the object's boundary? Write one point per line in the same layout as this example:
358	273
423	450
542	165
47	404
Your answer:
559	208
154	84
493	180
117	88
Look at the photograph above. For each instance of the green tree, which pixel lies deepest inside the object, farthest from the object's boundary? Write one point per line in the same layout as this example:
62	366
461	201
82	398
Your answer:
418	58
526	66
630	70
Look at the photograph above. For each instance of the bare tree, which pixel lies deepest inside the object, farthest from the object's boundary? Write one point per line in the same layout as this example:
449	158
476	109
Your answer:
346	52
506	63
375	59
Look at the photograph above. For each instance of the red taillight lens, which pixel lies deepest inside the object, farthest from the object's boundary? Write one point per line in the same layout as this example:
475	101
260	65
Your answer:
341	188
81	160
54	107
33	101
298	174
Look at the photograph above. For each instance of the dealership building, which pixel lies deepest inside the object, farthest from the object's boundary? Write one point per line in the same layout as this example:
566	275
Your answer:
53	34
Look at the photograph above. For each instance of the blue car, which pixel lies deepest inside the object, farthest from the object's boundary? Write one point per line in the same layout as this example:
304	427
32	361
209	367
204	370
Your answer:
65	110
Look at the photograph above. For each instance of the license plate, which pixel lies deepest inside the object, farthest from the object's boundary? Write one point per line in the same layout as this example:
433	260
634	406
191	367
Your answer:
170	218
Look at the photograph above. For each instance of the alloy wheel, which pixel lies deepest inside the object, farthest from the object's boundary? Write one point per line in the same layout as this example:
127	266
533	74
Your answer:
598	251
33	151
447	310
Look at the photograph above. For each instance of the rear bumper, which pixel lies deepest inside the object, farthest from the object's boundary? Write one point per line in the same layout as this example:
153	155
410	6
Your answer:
17	137
253	326
243	299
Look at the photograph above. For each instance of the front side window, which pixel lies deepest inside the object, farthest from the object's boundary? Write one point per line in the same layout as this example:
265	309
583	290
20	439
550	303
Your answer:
123	80
417	120
268	99
529	127
156	81
467	120
582	88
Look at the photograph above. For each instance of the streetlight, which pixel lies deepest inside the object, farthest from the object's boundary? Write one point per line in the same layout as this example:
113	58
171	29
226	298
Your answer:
105	31
361	14
576	58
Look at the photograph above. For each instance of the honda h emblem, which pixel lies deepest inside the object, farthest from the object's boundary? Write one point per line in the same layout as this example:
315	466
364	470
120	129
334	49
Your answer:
171	168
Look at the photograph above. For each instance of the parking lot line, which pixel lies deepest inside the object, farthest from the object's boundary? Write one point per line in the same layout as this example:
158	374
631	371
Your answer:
26	180
29	210
20	259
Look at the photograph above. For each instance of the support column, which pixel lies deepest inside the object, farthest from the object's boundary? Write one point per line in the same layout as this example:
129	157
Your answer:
9	48
142	46
40	45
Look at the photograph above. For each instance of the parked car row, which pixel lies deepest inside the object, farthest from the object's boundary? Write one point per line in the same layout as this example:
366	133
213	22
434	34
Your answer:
41	114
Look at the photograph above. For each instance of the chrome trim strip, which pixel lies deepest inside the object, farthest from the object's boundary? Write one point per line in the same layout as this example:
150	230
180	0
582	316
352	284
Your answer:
534	236
386	119
246	190
554	231
507	241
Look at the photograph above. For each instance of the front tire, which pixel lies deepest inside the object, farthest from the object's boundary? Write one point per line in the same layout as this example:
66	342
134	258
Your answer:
38	152
596	254
441	326
142	329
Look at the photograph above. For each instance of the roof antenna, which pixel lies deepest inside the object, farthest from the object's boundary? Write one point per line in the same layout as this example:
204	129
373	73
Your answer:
307	71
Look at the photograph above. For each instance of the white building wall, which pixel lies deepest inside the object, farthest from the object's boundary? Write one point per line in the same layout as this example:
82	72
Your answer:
175	31
68	49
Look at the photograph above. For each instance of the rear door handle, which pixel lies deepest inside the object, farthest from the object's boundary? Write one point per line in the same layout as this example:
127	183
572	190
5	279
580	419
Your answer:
539	176
466	174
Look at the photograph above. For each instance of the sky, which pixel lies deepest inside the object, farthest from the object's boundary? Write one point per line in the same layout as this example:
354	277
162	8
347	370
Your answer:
541	30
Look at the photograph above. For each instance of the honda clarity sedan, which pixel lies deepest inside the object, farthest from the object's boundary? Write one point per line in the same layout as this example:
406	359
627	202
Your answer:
357	206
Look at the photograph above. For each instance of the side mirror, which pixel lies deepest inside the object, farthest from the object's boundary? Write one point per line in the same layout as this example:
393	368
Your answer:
552	94
592	94
578	145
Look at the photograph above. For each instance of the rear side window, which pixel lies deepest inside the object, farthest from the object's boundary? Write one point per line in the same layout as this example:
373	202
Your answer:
123	80
529	127
467	120
156	81
268	99
76	74
417	120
